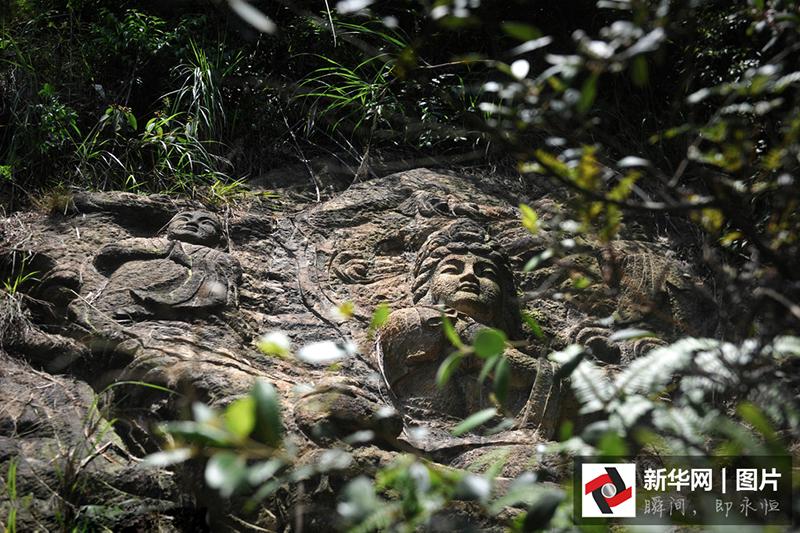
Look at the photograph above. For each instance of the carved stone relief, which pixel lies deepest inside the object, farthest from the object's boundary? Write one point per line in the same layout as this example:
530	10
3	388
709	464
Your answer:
183	307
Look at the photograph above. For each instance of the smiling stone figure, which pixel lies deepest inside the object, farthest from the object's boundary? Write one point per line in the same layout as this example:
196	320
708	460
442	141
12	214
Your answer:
186	272
195	227
462	274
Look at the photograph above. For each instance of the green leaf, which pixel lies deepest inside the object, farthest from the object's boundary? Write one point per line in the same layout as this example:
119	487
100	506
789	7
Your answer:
489	342
502	379
198	433
639	71
473	488
612	445
534	261
529	218
754	416
274	343
268	411
487	367
263	471
226	471
536	329
379	318
447	368
581	282
203	413
630	334
450	332
502	426
345	310
523	32
131	120
473	421
240	416
166	458
542	510
588	94
569	359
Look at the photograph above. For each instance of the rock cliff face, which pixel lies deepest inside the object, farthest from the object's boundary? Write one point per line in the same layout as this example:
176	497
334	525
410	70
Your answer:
163	292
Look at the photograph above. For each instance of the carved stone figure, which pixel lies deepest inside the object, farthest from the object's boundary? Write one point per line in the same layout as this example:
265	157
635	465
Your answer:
188	271
462	274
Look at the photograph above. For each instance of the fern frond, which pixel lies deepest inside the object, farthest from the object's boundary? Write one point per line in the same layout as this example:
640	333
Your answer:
652	372
633	408
683	422
592	388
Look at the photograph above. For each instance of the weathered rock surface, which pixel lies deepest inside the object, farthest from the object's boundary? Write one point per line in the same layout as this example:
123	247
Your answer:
126	292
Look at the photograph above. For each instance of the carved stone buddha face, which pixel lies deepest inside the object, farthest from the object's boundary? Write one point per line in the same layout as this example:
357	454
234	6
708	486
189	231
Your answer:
470	284
195	227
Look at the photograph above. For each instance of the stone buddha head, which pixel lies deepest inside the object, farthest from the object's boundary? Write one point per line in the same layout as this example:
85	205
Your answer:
196	227
463	269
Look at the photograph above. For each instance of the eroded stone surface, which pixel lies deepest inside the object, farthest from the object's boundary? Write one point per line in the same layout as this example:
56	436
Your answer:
120	301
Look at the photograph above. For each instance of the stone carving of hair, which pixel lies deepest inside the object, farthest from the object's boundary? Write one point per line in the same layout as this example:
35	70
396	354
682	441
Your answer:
460	238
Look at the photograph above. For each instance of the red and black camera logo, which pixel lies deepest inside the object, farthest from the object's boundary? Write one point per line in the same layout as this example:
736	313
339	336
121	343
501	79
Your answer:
609	490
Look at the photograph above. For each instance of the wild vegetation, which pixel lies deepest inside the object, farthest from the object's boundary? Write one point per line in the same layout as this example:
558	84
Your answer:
680	116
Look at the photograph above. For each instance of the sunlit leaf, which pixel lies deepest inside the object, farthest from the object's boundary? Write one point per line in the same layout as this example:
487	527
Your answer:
274	343
166	458
253	16
131	120
552	163
529	218
203	413
502	426
633	161
475	420
447	368
200	433
630	334
226	472
450	332
487	367
240	416
730	237
568	358
352	6
536	260
581	282
473	487
345	311
489	342
379	318
533	324
263	471
520	68
324	352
